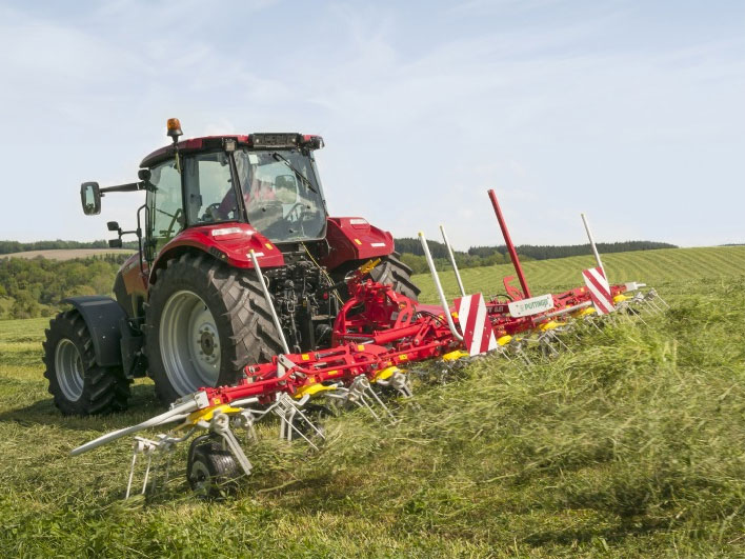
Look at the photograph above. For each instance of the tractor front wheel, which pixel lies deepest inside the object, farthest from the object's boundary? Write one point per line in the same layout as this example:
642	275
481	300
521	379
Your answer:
79	385
204	323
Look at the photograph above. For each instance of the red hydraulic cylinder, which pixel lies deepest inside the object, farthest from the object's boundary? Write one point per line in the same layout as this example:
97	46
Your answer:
510	246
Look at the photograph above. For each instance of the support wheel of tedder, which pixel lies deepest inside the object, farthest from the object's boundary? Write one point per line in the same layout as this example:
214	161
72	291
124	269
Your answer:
204	322
79	385
211	470
392	271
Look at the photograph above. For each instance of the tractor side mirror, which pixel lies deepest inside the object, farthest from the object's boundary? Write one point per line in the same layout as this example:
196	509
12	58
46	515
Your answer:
285	189
90	197
114	226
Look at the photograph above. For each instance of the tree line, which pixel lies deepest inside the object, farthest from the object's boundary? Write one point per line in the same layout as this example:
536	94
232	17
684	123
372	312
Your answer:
10	247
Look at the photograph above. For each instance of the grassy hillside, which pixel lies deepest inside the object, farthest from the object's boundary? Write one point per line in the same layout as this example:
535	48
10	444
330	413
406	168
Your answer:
630	446
656	267
35	288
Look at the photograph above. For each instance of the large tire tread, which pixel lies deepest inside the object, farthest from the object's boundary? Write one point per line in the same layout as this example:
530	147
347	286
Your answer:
105	389
247	333
394	272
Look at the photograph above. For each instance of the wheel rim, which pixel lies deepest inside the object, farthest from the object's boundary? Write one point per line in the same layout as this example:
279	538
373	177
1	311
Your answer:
68	366
199	478
189	343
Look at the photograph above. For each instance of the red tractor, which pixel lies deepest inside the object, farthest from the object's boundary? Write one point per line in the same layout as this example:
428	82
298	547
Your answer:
189	311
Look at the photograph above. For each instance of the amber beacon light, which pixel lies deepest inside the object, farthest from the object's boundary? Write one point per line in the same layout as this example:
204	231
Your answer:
174	128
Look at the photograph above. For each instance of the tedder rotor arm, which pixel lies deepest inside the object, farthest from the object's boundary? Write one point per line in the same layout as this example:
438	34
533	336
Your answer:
177	413
510	247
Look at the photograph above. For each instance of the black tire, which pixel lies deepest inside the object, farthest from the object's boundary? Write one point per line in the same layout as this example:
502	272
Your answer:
79	385
394	272
245	331
212	471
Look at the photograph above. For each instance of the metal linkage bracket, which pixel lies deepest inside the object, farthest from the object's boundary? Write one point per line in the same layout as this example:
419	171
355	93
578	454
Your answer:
399	382
547	340
652	298
247	420
358	392
288	410
516	348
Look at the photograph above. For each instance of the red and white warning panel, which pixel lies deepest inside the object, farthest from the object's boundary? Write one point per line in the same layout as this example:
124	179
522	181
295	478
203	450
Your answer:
599	289
478	336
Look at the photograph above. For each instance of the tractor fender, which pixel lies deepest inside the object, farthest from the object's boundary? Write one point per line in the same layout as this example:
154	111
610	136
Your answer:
102	316
353	238
228	242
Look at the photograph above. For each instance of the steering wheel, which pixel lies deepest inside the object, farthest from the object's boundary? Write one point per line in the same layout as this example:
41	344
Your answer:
212	212
297	207
174	219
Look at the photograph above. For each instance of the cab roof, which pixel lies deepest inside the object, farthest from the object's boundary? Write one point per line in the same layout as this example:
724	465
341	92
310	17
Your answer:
270	140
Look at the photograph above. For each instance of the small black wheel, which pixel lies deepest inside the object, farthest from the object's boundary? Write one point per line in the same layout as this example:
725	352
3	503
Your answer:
79	385
211	470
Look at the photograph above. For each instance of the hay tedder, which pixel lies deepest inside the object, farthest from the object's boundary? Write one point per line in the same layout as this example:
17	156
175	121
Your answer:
246	302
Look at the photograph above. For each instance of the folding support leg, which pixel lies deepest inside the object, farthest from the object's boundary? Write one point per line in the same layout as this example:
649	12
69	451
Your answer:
146	447
220	425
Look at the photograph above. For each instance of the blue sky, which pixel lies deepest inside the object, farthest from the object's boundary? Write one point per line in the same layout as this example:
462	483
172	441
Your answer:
633	112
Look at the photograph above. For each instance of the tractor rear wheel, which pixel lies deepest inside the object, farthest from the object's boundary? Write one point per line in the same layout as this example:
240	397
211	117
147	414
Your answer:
204	322
79	385
392	271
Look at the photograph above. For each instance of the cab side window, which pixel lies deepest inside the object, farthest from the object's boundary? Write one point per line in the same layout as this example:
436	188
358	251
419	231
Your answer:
210	196
164	204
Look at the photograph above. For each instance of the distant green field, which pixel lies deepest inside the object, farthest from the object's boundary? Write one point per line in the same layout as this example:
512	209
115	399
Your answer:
653	267
67	254
629	446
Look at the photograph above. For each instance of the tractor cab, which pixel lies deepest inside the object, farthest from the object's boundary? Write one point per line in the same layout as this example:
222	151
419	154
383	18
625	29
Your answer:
268	181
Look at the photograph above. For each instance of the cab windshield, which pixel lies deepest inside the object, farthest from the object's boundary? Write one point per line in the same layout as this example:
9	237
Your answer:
281	193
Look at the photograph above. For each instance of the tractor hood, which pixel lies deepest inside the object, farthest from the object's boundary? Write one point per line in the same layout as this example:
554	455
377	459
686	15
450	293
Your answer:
354	239
349	239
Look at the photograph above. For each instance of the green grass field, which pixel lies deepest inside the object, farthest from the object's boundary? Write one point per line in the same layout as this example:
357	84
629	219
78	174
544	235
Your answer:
654	267
632	445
